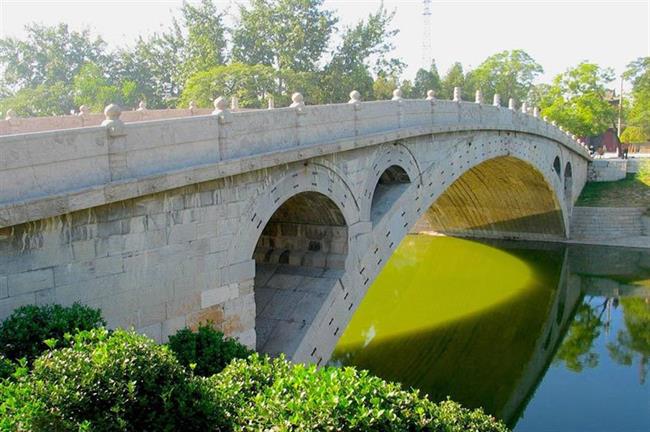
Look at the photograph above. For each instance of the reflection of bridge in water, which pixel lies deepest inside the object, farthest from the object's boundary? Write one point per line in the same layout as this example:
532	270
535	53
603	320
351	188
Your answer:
495	359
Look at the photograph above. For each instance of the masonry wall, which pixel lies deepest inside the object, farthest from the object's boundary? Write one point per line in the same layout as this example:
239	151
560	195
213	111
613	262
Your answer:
172	259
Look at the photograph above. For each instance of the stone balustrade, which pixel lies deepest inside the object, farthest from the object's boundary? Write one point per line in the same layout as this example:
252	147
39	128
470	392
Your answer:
138	152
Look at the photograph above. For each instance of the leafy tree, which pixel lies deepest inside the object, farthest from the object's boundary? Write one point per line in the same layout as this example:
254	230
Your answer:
426	80
250	83
639	114
508	73
93	89
454	78
384	85
285	34
576	100
576	349
205	42
41	100
350	67
48	56
635	339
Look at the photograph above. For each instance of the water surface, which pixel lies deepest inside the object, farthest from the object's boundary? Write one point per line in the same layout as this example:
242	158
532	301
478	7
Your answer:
542	336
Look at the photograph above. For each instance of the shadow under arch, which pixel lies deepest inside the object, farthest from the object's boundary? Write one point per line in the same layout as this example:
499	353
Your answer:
392	183
503	197
299	258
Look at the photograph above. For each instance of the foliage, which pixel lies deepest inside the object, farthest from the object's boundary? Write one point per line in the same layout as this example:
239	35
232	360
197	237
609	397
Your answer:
273	394
207	351
285	34
635	339
508	73
249	83
109	382
575	350
426	80
93	89
42	100
454	78
47	56
384	85
639	114
576	100
25	332
7	367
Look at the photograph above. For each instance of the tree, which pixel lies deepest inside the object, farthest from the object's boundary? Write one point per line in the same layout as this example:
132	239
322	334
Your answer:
383	86
205	42
41	100
48	56
249	83
454	78
635	339
576	349
508	73
638	117
426	80
93	89
369	41
284	34
576	100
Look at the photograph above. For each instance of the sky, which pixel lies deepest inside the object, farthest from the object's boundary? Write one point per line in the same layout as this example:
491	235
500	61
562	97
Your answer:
557	34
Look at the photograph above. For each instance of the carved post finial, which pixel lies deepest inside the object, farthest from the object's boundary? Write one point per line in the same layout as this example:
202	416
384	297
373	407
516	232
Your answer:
397	94
220	105
10	114
112	122
355	97
496	100
271	102
431	95
511	104
457	96
524	107
234	103
478	98
83	110
535	112
298	100
192	105
142	106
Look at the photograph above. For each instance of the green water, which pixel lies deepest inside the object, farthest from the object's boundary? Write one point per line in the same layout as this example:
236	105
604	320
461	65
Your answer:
485	324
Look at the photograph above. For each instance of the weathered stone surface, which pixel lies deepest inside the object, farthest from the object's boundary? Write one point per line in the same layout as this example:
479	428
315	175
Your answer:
272	225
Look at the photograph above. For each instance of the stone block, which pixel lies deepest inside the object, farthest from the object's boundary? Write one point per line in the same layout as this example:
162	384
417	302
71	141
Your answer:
30	281
7	305
172	326
4	292
83	250
109	265
213	314
239	271
181	305
219	295
182	233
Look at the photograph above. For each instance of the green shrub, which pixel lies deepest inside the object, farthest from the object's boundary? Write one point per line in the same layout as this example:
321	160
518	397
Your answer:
207	350
7	367
263	394
24	333
110	382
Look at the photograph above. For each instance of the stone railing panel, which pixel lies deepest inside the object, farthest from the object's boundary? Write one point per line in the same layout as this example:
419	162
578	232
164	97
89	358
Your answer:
416	113
255	132
159	146
446	113
335	121
377	116
47	163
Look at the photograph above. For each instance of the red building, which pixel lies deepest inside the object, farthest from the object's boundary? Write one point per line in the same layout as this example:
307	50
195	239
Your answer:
609	139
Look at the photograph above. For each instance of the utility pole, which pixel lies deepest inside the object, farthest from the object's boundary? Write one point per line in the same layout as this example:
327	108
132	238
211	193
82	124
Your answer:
620	109
426	33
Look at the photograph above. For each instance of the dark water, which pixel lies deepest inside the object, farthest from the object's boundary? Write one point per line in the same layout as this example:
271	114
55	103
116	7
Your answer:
545	337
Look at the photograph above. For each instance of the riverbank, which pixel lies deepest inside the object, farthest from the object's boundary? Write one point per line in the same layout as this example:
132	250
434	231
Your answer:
611	213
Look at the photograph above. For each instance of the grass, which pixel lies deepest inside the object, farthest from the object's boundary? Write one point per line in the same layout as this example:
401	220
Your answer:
632	191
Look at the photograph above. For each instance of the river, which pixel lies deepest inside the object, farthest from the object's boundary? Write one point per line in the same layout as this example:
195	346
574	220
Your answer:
547	337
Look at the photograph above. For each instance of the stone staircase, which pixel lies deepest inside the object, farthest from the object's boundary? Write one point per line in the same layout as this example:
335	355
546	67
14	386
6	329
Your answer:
606	222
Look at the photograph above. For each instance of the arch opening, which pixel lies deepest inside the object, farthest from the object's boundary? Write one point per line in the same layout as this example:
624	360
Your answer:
568	183
299	258
390	185
557	166
504	197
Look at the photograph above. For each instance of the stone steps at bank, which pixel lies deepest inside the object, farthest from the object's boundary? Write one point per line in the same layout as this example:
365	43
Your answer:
606	222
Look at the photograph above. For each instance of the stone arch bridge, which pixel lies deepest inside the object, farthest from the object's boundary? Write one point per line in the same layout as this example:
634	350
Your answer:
272	224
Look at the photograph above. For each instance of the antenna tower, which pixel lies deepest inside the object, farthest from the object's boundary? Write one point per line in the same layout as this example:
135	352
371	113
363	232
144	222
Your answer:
426	36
